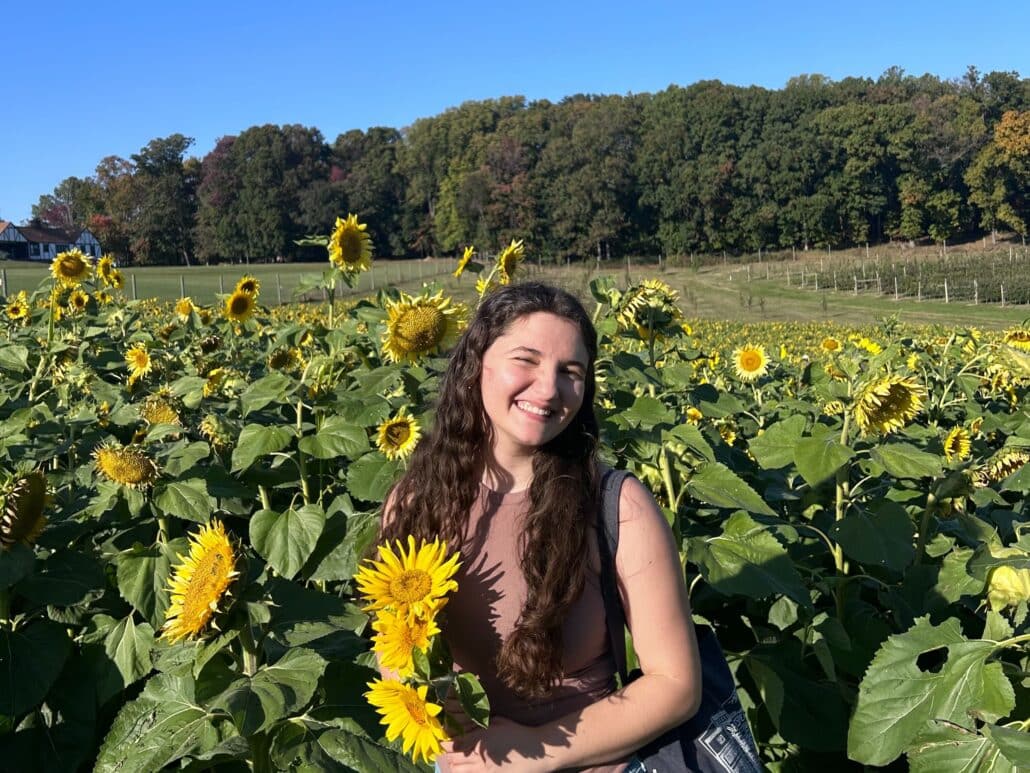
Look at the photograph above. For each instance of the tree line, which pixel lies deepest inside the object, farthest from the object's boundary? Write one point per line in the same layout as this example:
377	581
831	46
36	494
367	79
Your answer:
705	168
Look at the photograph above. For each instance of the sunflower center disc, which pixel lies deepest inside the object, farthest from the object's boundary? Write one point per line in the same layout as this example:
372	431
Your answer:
410	586
422	328
750	361
350	247
416	710
397	434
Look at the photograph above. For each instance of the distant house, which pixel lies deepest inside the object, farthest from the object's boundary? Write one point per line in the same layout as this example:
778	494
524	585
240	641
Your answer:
40	242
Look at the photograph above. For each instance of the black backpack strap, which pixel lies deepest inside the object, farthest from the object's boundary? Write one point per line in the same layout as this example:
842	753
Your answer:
608	544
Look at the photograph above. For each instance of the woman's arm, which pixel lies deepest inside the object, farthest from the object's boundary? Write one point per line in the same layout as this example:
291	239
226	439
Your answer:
657	611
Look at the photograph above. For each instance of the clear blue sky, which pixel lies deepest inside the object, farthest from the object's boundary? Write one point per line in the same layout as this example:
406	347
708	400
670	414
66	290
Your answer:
84	80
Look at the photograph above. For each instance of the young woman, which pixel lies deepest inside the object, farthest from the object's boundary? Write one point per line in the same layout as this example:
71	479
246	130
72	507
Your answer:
509	474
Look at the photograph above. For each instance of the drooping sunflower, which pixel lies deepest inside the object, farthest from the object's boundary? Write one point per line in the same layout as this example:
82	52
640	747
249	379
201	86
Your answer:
509	259
1018	338
868	345
219	433
103	297
1005	462
649	308
485	286
408	715
957	444
78	301
419	326
412	583
249	284
18	306
116	279
105	267
397	637
830	345
398	436
128	466
199	583
139	361
750	362
184	307
465	258
834	408
350	247
239	306
22	519
159	409
888	404
70	268
288	359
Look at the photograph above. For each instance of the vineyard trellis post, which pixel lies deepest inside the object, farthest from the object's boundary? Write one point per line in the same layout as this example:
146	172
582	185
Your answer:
182	286
279	289
945	289
895	287
976	292
132	277
221	284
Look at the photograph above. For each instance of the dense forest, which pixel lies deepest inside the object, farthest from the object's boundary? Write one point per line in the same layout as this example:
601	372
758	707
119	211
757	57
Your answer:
708	168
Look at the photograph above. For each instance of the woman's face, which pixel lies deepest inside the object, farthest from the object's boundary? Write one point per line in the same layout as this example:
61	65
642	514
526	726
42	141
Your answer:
533	380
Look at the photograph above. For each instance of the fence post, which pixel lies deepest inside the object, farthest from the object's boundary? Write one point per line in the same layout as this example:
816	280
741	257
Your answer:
976	288
879	285
279	289
182	286
748	269
1003	295
221	284
3	280
895	287
919	289
835	280
855	277
945	289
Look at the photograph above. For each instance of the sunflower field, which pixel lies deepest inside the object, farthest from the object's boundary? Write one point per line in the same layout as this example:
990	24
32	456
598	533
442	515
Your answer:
188	491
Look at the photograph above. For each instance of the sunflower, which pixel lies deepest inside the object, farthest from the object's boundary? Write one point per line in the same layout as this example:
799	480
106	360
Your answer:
116	280
18	306
214	381
239	306
249	285
868	345
398	436
103	297
830	345
957	444
1007	586
397	637
286	359
199	582
157	409
508	260
105	267
218	431
184	307
750	362
1006	462
350	248
408	715
412	583
888	403
78	301
649	308
70	268
127	466
485	286
139	361
1019	338
693	415
22	519
469	252
419	326
834	408
728	435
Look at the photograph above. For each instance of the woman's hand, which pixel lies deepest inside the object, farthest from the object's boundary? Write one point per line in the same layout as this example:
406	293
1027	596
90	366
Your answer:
505	745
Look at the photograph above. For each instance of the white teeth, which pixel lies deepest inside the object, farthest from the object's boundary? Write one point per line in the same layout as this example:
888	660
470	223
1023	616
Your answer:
529	408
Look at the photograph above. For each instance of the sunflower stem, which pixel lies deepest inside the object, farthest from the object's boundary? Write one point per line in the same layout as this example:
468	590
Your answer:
840	510
670	492
260	761
305	486
162	529
5	605
924	527
266	500
250	651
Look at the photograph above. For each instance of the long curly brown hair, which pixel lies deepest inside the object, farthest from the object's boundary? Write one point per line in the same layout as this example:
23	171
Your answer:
434	496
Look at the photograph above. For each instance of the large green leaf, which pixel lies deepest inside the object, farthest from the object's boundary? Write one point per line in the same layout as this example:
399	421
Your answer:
747	560
717	484
255	441
287	539
647	412
880	536
186	499
336	437
897	697
371	476
14	357
820	456
142	576
945	747
691	437
342	546
185	457
774	448
274	692
129	646
271	388
954	580
15	563
904	460
31	659
67	577
161	726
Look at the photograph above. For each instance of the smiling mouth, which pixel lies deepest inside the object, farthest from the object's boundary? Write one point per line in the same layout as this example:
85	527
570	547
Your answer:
529	408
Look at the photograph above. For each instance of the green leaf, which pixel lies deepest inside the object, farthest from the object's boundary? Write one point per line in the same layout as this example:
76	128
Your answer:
14	357
65	578
896	697
161	726
747	560
647	412
336	437
717	485
820	456
255	441
774	448
274	692
271	388
31	659
945	747
340	548
1014	744
287	539
954	580
142	576
371	476
185	457
129	646
903	460
473	698
15	563
881	536
186	499
1018	481
351	747
692	438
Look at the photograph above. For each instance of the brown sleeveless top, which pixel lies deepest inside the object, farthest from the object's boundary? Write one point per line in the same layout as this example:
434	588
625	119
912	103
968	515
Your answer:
482	613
